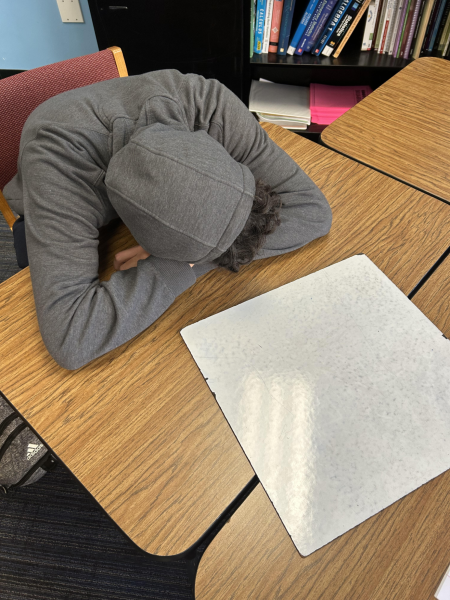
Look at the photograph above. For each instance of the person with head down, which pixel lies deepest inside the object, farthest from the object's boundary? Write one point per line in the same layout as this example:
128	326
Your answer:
188	169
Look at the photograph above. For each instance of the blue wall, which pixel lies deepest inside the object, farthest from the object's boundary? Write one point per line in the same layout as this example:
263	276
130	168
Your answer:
32	34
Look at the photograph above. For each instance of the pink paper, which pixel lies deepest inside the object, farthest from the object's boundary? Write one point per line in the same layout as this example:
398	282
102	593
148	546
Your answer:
329	102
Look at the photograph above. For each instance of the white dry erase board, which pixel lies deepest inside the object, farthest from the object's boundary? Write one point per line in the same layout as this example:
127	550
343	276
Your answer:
337	388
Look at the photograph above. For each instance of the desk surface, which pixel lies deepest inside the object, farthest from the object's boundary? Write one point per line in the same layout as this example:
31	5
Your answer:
433	298
138	426
402	552
403	127
326	383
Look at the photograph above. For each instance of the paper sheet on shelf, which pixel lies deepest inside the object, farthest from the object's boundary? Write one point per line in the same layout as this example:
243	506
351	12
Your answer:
285	122
280	99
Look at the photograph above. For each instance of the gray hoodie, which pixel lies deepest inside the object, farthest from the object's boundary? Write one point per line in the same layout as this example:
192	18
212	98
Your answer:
176	158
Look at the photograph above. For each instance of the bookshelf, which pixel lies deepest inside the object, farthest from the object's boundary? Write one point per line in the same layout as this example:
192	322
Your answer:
212	38
355	59
352	66
199	36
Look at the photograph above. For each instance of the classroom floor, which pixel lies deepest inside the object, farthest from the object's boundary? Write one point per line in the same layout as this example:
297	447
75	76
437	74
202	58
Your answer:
57	544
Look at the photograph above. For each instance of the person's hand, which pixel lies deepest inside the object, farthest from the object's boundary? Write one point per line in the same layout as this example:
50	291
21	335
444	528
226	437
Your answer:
129	258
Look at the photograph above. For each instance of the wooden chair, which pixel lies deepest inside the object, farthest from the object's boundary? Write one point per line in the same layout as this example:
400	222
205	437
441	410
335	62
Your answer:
22	93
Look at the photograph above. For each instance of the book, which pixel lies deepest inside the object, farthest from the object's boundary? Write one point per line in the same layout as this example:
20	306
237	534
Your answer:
445	36
428	5
302	25
385	24
330	26
267	24
252	27
315	26
396	26
342	27
329	102
430	26
446	51
280	99
417	27
312	24
259	26
390	34
376	43
441	31
275	25
401	29
412	28
370	25
358	17
377	24
435	32
286	122
285	28
408	23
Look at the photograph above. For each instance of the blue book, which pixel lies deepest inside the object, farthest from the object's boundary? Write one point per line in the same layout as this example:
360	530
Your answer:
285	27
330	6
259	26
315	26
331	26
302	25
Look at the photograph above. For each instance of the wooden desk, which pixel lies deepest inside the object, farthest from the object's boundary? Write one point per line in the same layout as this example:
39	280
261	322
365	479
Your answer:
401	553
403	127
138	427
433	298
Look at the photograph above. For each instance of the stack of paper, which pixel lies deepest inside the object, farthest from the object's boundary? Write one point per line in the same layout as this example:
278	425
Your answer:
284	105
329	102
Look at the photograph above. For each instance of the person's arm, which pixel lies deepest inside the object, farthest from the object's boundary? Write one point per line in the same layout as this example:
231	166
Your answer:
127	259
306	214
81	318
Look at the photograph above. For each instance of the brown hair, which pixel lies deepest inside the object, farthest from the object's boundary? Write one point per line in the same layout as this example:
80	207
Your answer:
264	218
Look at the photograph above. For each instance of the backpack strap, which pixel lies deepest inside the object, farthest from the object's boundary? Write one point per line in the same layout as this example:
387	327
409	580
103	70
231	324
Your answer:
9	419
46	462
51	464
11	437
40	463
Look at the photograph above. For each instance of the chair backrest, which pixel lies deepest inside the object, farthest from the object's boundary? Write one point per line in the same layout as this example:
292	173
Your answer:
21	94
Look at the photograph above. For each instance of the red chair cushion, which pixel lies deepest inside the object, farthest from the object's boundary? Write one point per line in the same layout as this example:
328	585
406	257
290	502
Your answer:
21	94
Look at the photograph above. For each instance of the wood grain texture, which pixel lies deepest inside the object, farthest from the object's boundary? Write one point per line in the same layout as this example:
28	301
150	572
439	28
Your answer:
138	426
401	553
433	298
120	60
403	127
6	211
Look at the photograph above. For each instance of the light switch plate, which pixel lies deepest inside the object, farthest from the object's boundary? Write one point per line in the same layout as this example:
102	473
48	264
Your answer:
70	11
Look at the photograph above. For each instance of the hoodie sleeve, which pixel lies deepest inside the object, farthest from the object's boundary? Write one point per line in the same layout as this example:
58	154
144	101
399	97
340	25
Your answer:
81	318
306	214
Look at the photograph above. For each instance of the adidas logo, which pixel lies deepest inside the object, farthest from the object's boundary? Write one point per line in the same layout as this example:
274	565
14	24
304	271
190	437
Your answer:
33	449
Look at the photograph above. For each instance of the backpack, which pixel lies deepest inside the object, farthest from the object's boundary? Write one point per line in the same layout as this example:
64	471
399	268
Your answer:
23	457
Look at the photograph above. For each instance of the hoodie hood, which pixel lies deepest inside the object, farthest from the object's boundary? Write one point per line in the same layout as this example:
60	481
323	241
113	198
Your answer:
181	194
